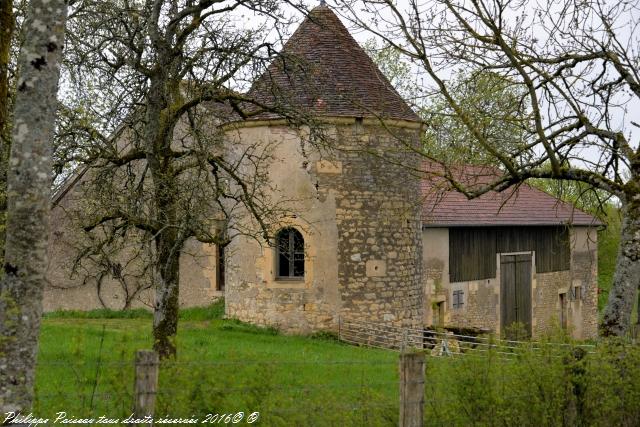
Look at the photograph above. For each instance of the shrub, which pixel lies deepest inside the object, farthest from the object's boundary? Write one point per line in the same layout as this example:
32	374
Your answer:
545	385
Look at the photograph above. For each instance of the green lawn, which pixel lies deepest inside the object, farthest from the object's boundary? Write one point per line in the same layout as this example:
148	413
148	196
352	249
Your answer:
85	368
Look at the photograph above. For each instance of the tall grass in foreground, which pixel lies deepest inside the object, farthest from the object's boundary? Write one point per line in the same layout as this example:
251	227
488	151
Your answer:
536	388
86	369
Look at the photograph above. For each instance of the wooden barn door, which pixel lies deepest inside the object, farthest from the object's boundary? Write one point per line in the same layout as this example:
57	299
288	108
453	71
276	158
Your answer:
515	294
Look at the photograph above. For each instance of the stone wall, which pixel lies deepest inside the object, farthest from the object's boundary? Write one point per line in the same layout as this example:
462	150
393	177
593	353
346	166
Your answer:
379	228
85	290
481	302
579	285
481	308
362	233
546	300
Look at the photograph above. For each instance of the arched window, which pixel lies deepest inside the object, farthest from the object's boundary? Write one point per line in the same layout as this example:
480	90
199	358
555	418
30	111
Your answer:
289	253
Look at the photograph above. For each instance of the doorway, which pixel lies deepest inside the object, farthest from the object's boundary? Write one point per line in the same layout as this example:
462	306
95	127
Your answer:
515	296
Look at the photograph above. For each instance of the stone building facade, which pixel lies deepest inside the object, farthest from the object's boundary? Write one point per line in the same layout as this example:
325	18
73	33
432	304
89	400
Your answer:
361	231
560	299
363	239
519	256
79	286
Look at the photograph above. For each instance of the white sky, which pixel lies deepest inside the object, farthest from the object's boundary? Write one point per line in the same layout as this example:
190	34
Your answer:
250	19
625	28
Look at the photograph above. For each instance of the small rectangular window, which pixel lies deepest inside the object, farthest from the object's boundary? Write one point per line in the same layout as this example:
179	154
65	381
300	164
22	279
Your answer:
458	299
577	293
220	269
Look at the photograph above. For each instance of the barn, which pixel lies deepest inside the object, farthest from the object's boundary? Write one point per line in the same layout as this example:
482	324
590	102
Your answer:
518	260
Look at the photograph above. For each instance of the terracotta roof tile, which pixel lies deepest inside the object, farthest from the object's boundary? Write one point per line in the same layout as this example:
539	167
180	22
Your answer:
324	72
522	205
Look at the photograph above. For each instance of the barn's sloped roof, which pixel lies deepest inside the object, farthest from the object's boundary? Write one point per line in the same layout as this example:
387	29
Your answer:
324	72
519	205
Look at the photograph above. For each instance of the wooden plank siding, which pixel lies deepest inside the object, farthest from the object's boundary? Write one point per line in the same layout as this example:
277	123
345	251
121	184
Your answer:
472	250
515	291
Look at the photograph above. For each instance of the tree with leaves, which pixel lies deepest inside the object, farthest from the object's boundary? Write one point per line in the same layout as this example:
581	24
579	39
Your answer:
28	195
575	64
494	103
498	111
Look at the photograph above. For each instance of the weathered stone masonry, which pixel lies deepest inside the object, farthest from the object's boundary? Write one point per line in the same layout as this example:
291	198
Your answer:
378	218
481	307
362	233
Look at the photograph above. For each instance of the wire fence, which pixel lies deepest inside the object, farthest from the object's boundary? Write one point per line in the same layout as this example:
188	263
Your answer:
282	392
454	391
442	343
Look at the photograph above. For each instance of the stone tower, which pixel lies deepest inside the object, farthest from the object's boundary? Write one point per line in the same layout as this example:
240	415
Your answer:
356	203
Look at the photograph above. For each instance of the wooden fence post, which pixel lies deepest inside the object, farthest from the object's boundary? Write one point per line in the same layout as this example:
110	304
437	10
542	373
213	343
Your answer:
412	389
146	384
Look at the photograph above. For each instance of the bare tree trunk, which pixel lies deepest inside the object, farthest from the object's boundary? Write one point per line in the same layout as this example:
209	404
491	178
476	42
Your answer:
167	273
29	191
165	316
158	138
6	33
617	314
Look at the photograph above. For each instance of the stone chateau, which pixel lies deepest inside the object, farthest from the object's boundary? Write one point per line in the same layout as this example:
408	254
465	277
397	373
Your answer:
370	239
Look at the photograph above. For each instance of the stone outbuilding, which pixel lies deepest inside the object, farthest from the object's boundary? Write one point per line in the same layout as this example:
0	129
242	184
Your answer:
366	239
519	256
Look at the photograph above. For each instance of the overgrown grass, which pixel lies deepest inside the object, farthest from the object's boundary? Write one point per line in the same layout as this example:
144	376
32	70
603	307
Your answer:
101	313
210	312
536	388
86	369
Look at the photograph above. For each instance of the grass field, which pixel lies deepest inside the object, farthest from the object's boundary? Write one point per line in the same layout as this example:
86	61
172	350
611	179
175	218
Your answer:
85	368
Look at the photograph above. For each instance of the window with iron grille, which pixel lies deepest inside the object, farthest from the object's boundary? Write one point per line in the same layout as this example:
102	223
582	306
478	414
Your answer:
458	299
289	254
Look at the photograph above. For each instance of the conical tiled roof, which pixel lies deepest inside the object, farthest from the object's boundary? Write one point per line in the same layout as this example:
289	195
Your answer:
323	71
